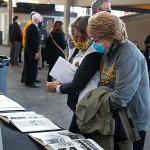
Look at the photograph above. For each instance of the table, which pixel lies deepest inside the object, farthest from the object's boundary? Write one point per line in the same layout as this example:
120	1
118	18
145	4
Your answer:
13	139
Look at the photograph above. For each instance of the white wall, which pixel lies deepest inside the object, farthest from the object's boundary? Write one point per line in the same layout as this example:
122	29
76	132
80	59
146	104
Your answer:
138	27
4	27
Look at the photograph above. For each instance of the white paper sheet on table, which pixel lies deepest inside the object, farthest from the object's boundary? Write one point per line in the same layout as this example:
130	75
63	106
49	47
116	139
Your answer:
7	104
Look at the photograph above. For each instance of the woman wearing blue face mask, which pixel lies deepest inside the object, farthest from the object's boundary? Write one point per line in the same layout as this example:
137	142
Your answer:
123	69
99	47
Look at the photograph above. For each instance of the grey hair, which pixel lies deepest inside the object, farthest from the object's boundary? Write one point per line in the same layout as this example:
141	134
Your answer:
97	5
36	16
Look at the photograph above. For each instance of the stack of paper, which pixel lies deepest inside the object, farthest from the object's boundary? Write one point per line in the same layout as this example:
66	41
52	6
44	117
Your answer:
6	104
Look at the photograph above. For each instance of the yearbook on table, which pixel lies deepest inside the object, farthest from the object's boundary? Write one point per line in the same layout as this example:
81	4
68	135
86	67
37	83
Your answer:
29	121
64	140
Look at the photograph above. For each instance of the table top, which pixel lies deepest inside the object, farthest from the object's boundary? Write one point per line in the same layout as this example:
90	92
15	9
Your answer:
13	139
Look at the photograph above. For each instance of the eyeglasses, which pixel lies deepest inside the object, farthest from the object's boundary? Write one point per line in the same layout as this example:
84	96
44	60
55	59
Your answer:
96	39
107	10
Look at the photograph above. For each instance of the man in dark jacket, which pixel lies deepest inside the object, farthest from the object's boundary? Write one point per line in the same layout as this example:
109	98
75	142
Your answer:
32	50
15	40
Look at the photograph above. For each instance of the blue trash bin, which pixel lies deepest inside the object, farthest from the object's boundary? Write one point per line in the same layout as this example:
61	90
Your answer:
4	63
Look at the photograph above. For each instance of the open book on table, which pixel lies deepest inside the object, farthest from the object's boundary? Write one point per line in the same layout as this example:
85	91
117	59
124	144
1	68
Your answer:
64	140
64	72
6	104
29	121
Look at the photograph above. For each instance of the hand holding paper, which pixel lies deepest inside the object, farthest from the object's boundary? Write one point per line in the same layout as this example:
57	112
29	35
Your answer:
63	70
51	86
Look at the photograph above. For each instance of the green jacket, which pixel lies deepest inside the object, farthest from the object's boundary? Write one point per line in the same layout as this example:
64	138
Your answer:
93	113
94	116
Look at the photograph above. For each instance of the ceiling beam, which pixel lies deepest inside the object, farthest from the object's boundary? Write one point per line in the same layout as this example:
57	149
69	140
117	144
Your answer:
146	7
113	2
87	3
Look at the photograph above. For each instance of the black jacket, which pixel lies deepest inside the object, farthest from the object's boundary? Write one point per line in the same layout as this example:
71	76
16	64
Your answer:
32	39
89	66
53	52
14	32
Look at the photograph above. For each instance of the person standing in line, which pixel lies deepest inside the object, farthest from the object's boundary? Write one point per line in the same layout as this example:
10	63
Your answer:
49	26
25	29
123	69
32	51
20	55
43	36
15	40
24	45
55	45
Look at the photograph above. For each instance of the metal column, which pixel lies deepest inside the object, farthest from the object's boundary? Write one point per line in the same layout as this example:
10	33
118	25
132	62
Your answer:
66	15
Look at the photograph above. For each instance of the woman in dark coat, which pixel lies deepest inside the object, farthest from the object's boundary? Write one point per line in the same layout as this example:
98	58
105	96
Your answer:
55	43
147	51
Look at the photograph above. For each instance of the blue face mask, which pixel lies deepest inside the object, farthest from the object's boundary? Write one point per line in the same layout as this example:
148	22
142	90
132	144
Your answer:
99	47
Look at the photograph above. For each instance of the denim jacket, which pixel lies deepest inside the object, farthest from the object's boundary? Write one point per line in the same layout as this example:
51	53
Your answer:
124	69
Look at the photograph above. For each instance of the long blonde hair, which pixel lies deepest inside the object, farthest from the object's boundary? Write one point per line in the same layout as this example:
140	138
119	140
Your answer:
105	25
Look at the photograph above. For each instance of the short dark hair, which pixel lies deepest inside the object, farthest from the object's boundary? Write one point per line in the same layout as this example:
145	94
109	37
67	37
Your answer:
15	18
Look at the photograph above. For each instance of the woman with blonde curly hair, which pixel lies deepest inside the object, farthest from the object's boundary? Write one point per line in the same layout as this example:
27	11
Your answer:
123	68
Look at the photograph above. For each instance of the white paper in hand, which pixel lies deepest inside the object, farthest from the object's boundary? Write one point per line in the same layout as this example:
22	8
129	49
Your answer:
63	70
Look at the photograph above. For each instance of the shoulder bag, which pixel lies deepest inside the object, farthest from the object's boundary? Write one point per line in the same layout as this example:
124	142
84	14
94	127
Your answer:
57	44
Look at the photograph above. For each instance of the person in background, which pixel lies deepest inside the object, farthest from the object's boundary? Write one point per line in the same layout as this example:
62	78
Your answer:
24	45
43	36
32	51
15	40
147	51
55	45
49	26
25	29
20	54
123	68
101	5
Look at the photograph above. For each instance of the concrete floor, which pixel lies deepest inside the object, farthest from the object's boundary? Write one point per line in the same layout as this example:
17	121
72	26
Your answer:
51	105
